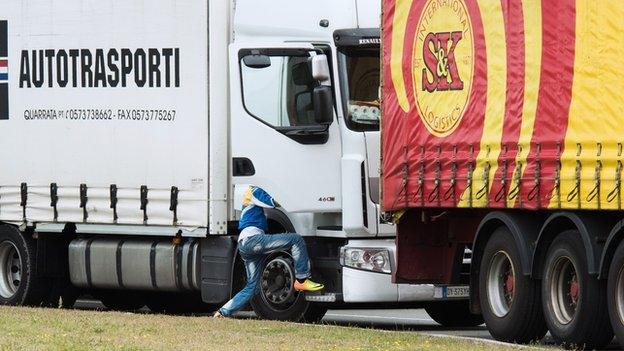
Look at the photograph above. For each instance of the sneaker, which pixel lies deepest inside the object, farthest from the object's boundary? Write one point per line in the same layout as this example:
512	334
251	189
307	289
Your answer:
308	285
217	315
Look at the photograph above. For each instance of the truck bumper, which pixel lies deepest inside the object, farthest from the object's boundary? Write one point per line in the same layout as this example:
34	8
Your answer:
370	287
367	286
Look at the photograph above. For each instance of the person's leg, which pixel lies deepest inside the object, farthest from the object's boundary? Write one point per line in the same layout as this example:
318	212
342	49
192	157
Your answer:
254	269
267	244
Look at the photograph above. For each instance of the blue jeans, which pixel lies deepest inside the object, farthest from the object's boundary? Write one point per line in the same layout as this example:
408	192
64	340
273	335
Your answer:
253	250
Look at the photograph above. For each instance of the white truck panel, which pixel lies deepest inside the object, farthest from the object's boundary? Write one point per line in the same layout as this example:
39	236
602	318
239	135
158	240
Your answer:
291	21
368	13
219	35
52	134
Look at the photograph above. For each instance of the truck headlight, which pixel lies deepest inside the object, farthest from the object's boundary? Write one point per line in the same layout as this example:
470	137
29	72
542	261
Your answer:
376	260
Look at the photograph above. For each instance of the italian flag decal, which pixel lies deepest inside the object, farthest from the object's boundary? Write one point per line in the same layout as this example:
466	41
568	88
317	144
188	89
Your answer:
4	71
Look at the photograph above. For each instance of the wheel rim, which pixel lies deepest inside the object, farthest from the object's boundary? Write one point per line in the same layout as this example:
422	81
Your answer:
501	282
619	295
10	269
276	286
564	290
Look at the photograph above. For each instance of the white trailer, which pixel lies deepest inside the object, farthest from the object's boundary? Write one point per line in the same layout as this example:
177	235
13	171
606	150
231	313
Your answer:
129	131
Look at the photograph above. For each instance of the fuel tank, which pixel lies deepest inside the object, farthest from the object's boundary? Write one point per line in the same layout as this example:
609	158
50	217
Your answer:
104	263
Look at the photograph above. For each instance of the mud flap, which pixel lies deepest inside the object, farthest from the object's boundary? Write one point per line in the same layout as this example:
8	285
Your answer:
217	260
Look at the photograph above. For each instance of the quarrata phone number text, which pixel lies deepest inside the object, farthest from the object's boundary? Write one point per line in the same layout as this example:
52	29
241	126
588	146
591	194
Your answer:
95	114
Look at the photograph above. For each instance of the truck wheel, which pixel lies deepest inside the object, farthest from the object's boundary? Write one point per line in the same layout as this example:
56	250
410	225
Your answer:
615	293
453	314
278	300
510	300
119	300
19	284
574	302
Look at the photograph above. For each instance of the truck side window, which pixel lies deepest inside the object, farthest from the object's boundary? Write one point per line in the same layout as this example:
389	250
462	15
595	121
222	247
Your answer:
360	80
280	94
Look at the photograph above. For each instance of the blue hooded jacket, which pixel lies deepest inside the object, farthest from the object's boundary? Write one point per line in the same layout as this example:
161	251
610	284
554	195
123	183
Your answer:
253	215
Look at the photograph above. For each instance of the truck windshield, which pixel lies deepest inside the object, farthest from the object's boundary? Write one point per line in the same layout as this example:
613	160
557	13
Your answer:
360	71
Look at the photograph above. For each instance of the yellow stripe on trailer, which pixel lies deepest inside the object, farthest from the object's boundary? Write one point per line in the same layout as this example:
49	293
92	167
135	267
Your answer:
532	10
399	23
596	121
487	159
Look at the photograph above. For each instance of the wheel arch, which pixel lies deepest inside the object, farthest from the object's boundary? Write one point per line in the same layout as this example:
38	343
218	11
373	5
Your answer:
613	241
593	229
275	217
524	228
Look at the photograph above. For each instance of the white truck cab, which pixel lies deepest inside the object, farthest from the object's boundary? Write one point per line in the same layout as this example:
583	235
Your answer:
325	173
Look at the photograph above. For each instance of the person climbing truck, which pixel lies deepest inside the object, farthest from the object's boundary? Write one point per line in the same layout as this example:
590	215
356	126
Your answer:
254	245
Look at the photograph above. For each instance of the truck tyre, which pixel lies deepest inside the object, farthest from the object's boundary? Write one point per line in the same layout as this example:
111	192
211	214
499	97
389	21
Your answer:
453	314
574	303
119	300
19	284
178	303
276	298
510	300
615	293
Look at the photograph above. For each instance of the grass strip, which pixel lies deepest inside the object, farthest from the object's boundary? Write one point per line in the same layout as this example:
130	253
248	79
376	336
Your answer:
24	328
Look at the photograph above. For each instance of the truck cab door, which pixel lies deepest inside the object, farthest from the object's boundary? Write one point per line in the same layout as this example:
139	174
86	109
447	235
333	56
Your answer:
280	141
358	66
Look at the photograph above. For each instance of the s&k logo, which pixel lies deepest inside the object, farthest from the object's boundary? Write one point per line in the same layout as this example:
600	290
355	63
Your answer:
443	65
439	59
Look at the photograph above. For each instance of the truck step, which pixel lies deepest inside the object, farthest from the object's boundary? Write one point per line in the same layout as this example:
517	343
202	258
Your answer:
320	297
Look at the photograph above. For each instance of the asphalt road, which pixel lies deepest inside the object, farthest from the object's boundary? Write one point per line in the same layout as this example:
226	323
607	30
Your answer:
415	320
396	319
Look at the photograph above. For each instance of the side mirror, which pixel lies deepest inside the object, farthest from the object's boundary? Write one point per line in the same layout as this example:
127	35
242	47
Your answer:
320	68
323	105
257	61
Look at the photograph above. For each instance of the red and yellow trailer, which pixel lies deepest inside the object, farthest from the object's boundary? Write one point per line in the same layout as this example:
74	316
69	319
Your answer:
503	120
503	104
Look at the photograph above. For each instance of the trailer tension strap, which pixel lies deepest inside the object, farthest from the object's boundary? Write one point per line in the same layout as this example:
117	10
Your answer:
144	202
113	201
24	199
54	199
83	201
173	206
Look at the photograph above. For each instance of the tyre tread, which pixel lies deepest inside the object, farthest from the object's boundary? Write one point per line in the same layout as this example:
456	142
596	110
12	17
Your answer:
616	264
527	326
593	328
